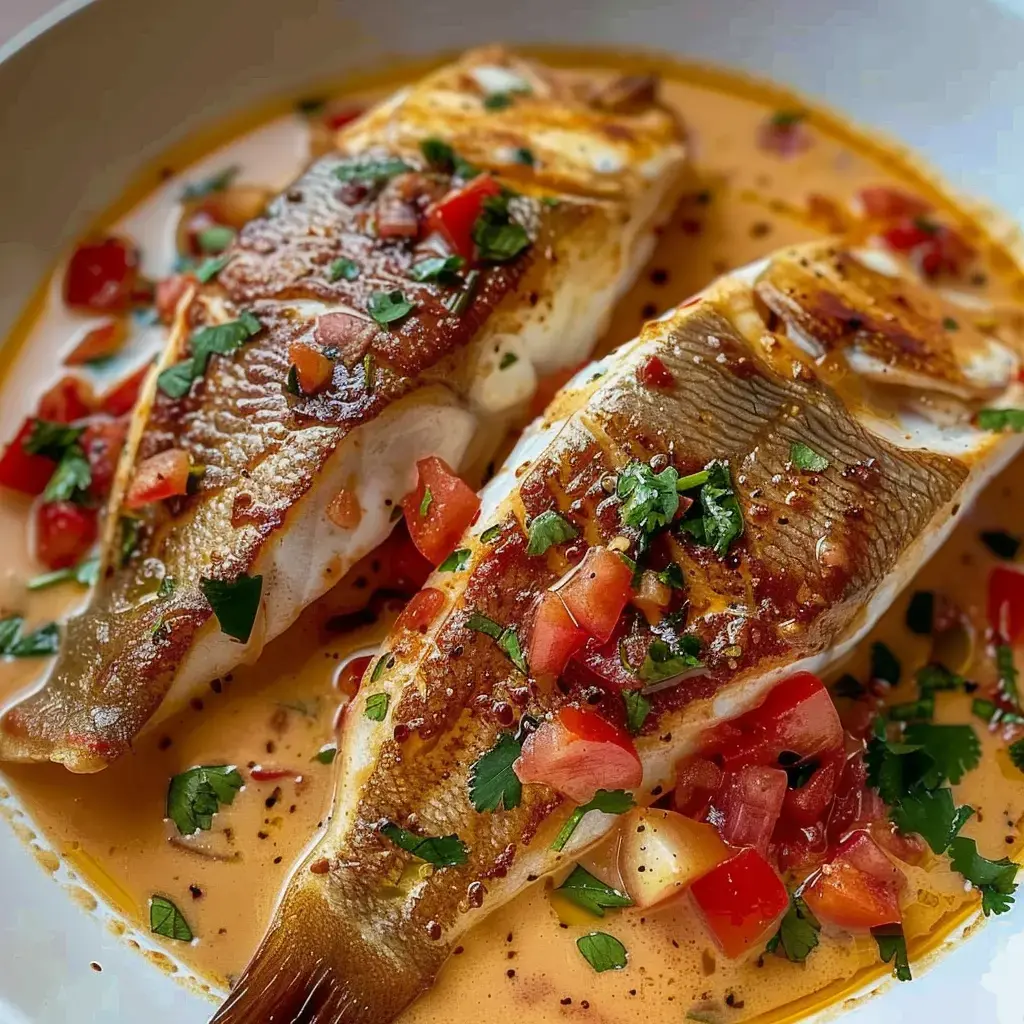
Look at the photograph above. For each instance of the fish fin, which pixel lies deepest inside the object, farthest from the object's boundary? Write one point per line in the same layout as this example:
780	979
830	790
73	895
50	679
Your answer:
318	965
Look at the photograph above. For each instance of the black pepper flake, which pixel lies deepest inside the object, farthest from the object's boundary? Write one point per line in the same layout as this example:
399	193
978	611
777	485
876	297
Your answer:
196	892
165	743
96	967
649	310
567	1001
511	972
659	276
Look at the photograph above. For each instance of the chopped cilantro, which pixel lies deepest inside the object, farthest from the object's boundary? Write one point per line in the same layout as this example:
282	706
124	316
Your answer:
370	170
291	381
990	713
609	801
672	576
932	815
1016	752
221	339
649	500
389	307
524	156
1007	674
507	360
994	879
798	932
377	706
130	528
235	603
497	100
892	948
950	324
443	269
85	573
491	533
492	781
456	561
458	302
638	707
37	644
590	893
894	769
214	183
60	442
498	237
369	373
384	662
664	660
167	920
848	686
920	612
807	458
51	439
210	268
441	851
1001	419
719	520
215	239
1001	544
194	796
426	501
787	118
343	269
326	755
602	951
922	709
438	153
547	530
955	749
506	638
933	678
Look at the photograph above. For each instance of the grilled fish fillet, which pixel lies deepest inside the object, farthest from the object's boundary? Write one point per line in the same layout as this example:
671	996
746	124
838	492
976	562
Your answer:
606	165
761	361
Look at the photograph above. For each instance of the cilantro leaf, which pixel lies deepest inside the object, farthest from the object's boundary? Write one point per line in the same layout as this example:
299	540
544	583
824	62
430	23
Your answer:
955	749
609	801
649	500
892	948
602	951
548	529
922	709
506	638
71	478
167	920
456	561
426	501
389	307
719	520
1016	752
992	714
492	781
384	662
51	439
10	628
214	239
491	533
798	932
807	458
638	707
377	707
219	339
85	573
590	893
343	268
498	237
441	851
438	153
1007	674
326	755
934	678
1001	419
995	879
672	576
194	796
214	183
894	769
443	269
235	603
664	660
37	644
370	170
211	267
932	815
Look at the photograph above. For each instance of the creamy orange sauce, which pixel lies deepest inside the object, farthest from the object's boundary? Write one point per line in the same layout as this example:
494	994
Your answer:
280	713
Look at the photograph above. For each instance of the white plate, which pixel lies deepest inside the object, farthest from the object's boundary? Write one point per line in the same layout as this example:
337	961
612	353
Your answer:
104	88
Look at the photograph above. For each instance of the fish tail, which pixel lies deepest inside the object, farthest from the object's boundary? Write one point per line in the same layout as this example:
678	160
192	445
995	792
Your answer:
317	965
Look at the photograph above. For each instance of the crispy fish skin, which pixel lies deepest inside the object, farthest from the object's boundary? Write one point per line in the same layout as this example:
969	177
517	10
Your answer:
439	382
816	562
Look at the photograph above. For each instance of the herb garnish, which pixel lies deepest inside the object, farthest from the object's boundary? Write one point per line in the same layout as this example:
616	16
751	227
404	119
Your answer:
524	156
167	920
371	170
506	638
385	661
672	576
491	533
932	814
492	781
221	339
547	530
425	502
649	500
590	893
458	302
343	268
798	932
130	529
720	520
377	707
326	755
804	457
210	268
638	707
1007	674
954	748
497	100
665	659
1001	419
443	269
609	801
602	951
235	603
994	879
456	561
215	239
438	153
214	183
922	709
85	573
42	641
194	796
508	359
441	851
498	237
58	441
389	307
892	948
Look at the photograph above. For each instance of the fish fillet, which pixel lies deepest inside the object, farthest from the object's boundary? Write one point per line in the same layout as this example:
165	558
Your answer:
593	168
758	363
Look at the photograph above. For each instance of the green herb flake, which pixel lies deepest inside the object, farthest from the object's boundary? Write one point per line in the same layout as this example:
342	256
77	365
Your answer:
920	613
442	269
932	815
85	574
37	644
497	100
458	302
892	948
1002	544
441	851
490	534
493	783
51	439
798	932
167	920
922	709
194	796
602	951
806	458
129	529
370	170
498	237
1007	672
955	749
343	269
1001	419
787	118
426	502
936	678
718	520
547	530
214	183
991	714
215	239
369	373
524	156
438	154
509	643
672	576
220	339
377	706
456	561
508	359
326	755
389	307
638	707
235	603
664	660
590	893
384	662
609	801
210	268
884	664
291	381
994	879
71	478
649	500
895	769
950	324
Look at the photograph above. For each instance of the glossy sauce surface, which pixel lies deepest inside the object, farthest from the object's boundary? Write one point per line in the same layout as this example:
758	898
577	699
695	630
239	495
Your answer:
279	714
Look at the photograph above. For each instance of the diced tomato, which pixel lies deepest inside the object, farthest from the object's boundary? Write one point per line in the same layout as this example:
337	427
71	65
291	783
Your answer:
810	802
883	203
909	848
22	471
401	566
121	398
858	889
101	276
312	367
653	373
578	752
855	804
554	636
421	611
437	524
99	342
697	783
64	532
935	248
339	118
70	399
597	591
798	716
798	848
1006	603
599	663
748	805
163	475
169	291
741	902
102	441
455	214
351	675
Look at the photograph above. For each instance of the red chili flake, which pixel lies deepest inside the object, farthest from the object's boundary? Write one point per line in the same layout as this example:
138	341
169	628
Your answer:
261	774
653	373
350	675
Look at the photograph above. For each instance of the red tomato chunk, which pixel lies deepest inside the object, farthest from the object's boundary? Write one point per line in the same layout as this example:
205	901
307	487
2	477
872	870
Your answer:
1006	603
421	611
455	214
748	805
64	532
163	475
101	276
436	524
22	471
554	636
597	591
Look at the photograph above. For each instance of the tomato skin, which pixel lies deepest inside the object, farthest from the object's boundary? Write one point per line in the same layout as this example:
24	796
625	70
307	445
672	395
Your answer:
452	508
351	675
697	782
421	610
102	441
70	399
64	532
401	564
858	889
22	471
1006	603
855	804
101	341
554	636
653	373
101	275
577	752
741	901
121	398
935	248
748	805
312	367
883	203
810	803
163	475
455	214
597	591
